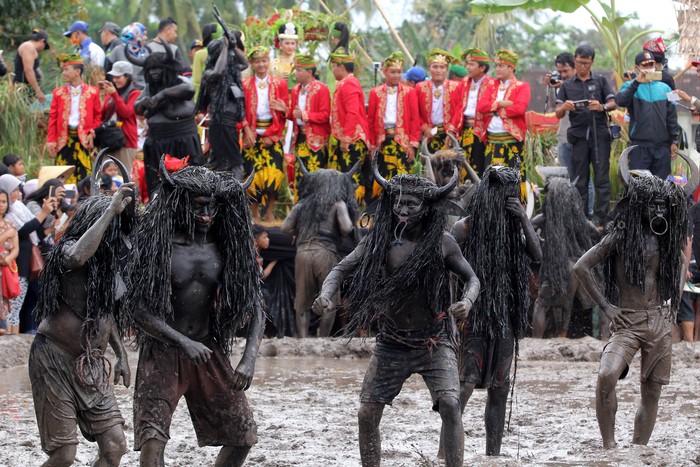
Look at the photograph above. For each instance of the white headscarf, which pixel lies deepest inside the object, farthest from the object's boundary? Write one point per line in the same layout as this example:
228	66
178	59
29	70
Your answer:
18	213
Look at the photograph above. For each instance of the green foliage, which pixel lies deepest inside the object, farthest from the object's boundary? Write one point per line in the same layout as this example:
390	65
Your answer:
19	17
22	129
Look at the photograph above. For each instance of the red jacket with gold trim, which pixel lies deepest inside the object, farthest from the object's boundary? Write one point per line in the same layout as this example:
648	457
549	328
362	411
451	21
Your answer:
90	109
276	89
513	117
407	118
451	105
348	116
466	84
318	110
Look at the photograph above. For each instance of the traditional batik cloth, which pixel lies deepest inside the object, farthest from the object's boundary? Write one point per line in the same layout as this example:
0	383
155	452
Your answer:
73	153
474	148
504	149
343	162
313	160
268	169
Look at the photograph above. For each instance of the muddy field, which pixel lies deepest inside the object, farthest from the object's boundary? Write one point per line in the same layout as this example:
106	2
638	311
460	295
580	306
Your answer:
305	397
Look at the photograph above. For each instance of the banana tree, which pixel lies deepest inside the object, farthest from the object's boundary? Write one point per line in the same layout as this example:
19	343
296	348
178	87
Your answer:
608	25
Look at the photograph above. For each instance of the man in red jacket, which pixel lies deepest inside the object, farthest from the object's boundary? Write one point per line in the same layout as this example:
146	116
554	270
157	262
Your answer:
503	105
310	112
439	101
266	99
394	123
477	63
349	126
75	113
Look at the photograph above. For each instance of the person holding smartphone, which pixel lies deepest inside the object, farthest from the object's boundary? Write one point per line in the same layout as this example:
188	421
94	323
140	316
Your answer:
588	134
654	126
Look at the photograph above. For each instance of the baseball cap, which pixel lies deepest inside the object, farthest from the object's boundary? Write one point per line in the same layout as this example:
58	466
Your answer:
121	68
644	58
77	26
196	43
40	34
111	27
415	74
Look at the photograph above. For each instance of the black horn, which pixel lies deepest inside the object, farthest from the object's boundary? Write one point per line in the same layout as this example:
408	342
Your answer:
443	191
302	167
354	169
455	143
134	60
94	183
249	181
375	171
164	172
125	174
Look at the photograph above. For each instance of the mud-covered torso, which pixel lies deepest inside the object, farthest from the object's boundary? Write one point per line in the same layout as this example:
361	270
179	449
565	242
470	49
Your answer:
196	272
633	297
411	310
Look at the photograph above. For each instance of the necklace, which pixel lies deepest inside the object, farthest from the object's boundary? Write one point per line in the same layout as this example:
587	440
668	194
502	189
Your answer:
262	84
391	90
75	91
437	94
502	87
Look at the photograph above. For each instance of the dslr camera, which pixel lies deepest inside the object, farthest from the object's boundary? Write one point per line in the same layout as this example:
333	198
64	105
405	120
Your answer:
554	77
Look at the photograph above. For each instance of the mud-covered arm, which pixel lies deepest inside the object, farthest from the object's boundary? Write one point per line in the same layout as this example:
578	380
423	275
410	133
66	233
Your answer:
456	263
221	62
460	231
289	226
242	61
76	254
584	270
243	376
342	217
183	91
158	328
121	368
335	278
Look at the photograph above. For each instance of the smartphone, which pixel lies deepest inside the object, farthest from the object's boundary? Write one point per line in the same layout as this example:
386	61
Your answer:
70	194
50	192
581	104
654	75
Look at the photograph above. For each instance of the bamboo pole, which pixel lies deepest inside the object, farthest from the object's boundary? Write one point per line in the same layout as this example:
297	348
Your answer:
393	32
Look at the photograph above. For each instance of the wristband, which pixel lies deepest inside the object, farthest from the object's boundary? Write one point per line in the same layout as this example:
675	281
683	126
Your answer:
604	305
693	100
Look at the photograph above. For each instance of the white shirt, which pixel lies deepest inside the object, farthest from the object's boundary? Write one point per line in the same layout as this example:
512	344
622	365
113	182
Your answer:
74	117
97	55
302	103
263	111
390	113
436	113
496	123
470	109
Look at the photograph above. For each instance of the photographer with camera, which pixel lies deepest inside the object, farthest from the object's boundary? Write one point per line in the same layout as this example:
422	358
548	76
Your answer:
586	98
564	63
653	119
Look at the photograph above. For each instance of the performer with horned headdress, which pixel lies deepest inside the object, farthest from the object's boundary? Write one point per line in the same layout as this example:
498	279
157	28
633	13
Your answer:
326	212
643	268
222	96
498	239
567	235
81	309
397	282
199	283
167	104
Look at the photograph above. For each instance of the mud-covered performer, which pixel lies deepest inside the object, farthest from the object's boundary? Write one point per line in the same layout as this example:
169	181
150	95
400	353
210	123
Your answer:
199	284
81	309
222	96
643	267
326	212
167	104
566	235
498	239
396	283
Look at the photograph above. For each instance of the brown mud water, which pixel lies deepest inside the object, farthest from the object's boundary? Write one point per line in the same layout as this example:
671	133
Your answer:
305	396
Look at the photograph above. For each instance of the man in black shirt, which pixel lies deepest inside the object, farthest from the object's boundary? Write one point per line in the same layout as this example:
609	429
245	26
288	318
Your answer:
587	97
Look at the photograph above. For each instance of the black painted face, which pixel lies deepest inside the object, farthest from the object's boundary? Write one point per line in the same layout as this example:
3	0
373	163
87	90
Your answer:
204	209
409	209
155	74
657	216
